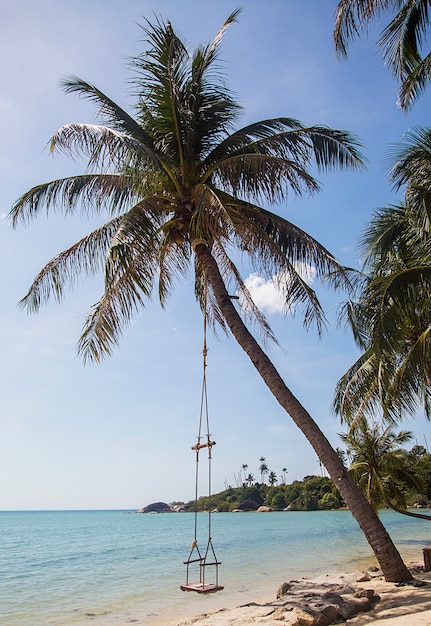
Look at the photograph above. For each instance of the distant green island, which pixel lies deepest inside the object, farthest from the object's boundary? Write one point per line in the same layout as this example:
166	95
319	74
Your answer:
313	493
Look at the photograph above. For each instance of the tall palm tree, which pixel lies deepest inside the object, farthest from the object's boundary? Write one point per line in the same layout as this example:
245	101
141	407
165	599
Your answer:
249	480
401	41
272	478
381	466
244	468
181	187
263	469
391	319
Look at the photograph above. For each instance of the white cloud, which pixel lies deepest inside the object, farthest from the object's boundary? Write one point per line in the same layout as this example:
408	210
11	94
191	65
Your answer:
268	294
265	294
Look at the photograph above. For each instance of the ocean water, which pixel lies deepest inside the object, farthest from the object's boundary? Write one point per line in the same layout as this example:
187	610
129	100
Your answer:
114	567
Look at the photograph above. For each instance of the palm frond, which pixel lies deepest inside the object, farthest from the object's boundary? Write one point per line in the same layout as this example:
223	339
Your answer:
90	193
102	146
359	392
276	239
212	109
401	39
105	323
86	256
353	16
351	314
415	83
409	386
173	261
268	157
249	135
110	112
165	70
259	177
411	158
334	148
210	219
207	300
129	278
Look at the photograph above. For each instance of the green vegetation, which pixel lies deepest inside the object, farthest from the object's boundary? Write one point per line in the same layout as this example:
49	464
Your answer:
380	465
310	494
315	493
420	461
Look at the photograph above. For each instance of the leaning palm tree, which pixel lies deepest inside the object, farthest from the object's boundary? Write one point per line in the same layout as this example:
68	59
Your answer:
183	188
400	42
381	466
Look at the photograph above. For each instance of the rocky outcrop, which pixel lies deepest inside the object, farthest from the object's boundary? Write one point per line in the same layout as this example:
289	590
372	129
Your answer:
306	604
248	505
325	601
156	507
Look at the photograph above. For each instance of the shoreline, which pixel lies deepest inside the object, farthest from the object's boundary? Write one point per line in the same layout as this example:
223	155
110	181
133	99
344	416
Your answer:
395	604
109	570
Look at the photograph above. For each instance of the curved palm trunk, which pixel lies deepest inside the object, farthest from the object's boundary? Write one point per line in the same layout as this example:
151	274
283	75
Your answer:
385	551
408	513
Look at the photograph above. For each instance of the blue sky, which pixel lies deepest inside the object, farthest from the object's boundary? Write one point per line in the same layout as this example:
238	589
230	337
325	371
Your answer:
118	435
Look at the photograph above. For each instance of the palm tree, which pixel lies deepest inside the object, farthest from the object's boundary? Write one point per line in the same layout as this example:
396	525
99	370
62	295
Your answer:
244	468
180	186
391	319
381	466
284	472
263	469
249	480
400	42
272	478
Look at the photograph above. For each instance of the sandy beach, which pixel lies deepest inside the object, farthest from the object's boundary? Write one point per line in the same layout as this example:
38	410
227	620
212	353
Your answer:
389	604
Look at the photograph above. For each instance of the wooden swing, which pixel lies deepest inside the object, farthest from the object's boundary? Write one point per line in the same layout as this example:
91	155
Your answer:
196	558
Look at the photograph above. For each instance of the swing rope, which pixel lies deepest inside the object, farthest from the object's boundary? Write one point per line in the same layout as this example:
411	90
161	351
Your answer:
204	412
201	587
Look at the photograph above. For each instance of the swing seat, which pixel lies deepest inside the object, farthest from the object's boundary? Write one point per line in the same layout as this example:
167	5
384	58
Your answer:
201	588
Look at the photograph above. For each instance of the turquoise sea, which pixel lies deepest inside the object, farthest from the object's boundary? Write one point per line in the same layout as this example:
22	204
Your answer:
116	567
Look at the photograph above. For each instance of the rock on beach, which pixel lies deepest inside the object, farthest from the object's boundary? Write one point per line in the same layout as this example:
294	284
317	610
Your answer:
355	599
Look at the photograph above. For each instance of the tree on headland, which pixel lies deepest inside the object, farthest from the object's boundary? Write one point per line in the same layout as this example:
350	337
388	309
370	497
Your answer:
181	187
263	469
249	480
272	478
381	466
244	468
315	493
400	42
